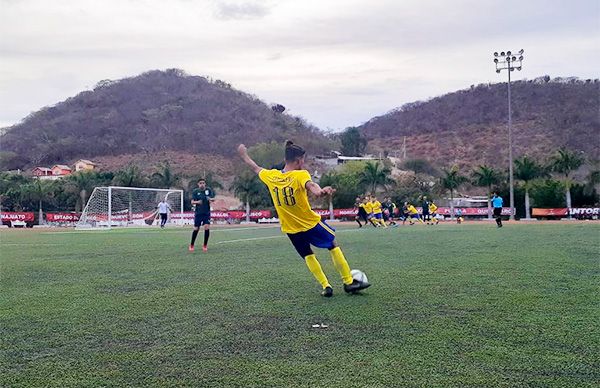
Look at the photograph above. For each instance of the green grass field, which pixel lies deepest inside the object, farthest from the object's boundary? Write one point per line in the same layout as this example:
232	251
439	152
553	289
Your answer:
451	305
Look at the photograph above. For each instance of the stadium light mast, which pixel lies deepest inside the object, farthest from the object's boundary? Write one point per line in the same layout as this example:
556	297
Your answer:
509	61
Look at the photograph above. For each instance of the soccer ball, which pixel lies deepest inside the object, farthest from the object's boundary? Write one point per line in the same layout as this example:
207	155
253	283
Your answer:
359	275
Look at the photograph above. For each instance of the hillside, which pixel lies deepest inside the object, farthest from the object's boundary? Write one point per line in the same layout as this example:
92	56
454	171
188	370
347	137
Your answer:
154	112
468	127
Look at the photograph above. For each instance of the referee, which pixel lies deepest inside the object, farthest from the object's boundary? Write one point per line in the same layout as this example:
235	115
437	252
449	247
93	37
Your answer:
497	204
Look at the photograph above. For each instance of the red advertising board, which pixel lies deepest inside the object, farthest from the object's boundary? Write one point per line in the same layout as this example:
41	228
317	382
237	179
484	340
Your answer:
470	211
17	216
554	212
577	212
220	215
62	217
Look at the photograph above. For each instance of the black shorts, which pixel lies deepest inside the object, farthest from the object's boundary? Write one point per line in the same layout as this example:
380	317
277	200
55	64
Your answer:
497	211
201	219
362	213
321	236
163	216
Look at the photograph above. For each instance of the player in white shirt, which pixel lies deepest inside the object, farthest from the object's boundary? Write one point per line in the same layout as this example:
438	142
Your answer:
163	209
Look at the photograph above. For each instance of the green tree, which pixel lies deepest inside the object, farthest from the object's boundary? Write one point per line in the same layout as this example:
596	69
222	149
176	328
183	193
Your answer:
248	188
11	193
548	193
130	176
486	176
82	184
593	177
451	181
267	155
527	170
347	182
566	162
39	191
164	176
375	175
353	143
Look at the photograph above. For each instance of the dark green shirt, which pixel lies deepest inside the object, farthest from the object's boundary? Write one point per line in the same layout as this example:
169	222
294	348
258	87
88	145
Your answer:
204	196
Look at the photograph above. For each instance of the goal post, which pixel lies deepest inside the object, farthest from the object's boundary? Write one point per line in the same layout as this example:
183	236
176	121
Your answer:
129	206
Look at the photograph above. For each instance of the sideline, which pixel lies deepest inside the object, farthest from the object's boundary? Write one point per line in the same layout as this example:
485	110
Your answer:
158	230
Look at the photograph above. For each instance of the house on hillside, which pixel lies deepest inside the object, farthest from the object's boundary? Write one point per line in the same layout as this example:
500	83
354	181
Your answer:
83	165
60	170
42	173
345	159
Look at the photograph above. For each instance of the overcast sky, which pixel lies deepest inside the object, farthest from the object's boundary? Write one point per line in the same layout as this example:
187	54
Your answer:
337	63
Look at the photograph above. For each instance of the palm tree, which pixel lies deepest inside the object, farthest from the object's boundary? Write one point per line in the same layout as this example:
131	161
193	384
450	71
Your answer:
247	187
131	176
38	190
164	176
566	162
593	177
452	181
375	175
486	176
81	183
527	170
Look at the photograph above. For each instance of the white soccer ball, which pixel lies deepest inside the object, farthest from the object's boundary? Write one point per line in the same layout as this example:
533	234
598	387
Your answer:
359	275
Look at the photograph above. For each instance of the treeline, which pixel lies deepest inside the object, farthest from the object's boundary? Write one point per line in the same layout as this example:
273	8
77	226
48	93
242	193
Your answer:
548	183
22	193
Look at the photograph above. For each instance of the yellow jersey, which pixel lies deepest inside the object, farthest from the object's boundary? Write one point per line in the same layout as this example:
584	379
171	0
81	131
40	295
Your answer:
288	192
376	205
368	207
412	210
432	208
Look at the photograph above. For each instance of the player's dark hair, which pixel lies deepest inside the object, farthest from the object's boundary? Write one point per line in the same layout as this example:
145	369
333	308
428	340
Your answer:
201	180
293	152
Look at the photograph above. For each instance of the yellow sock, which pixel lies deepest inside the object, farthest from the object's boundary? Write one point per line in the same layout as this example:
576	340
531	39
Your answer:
340	263
383	223
313	265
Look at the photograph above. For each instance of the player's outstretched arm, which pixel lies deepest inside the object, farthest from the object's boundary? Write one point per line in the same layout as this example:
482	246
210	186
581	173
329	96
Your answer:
243	151
317	190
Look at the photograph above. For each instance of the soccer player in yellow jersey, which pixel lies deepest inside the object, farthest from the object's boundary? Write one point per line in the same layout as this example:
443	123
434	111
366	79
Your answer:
289	189
368	206
413	214
377	212
433	213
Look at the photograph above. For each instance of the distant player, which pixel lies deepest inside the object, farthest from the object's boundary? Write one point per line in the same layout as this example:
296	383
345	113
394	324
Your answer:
389	210
163	210
202	196
289	189
413	214
497	203
433	213
459	215
362	213
368	205
377	212
404	214
425	210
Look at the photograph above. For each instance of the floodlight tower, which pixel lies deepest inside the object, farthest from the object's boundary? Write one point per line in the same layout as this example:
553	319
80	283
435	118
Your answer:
509	61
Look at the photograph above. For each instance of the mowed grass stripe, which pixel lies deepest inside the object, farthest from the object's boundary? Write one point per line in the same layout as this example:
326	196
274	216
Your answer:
451	305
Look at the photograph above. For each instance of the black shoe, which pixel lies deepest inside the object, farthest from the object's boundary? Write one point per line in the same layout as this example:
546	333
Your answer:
356	286
327	292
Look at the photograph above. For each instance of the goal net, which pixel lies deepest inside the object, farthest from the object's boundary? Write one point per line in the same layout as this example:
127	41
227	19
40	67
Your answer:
129	206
